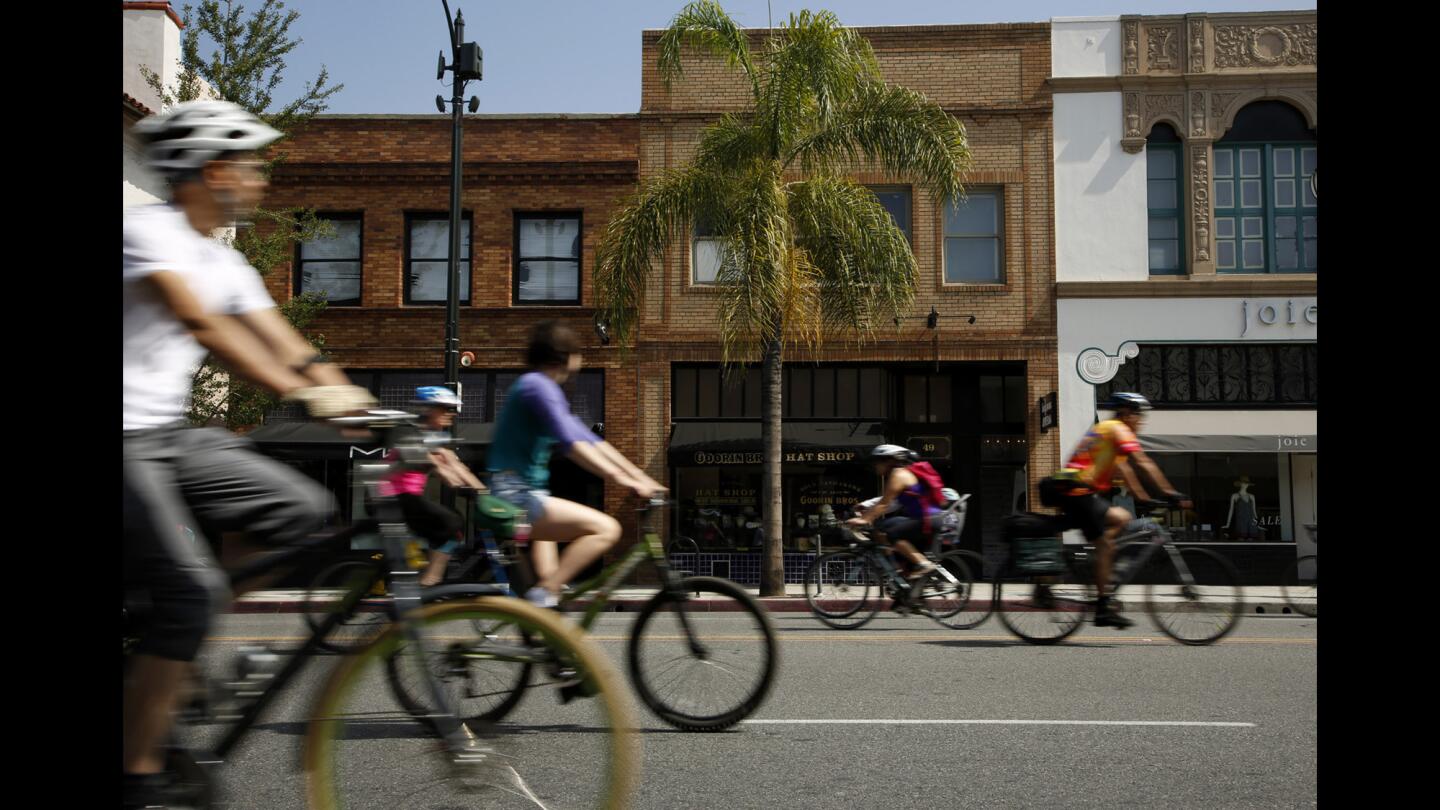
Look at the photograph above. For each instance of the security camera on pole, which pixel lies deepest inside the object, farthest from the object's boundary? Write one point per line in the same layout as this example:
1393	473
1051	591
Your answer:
465	67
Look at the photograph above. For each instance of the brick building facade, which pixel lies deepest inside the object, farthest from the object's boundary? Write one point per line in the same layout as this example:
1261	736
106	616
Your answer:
933	385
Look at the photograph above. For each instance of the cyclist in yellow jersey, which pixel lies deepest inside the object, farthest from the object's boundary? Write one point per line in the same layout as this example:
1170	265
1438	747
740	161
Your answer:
1102	457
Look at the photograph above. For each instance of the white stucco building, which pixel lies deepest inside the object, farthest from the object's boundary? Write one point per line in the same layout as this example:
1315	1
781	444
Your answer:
1186	234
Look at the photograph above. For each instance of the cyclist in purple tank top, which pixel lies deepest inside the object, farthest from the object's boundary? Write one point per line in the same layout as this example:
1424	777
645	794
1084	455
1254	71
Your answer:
535	419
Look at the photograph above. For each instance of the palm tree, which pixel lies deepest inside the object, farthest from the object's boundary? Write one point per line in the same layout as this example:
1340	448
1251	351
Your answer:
805	251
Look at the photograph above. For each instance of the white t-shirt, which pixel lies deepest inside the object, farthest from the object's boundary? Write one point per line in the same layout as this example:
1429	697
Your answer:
160	356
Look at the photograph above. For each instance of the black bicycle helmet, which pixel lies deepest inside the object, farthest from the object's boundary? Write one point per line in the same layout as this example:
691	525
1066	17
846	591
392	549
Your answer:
1122	399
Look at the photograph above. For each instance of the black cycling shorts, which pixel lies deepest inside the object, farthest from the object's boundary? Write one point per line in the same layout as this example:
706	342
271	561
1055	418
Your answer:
1086	513
900	527
434	522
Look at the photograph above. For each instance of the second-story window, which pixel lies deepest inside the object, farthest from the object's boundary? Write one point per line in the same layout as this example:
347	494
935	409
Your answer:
896	200
332	265
1162	198
706	254
973	236
1266	218
427	259
547	259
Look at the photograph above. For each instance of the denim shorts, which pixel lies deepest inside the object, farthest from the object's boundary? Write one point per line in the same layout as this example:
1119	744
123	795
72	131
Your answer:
516	491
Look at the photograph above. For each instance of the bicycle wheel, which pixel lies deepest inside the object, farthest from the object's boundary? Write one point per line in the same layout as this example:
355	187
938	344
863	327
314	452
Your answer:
956	604
357	755
1044	609
485	681
1299	586
842	590
325	595
1200	613
712	677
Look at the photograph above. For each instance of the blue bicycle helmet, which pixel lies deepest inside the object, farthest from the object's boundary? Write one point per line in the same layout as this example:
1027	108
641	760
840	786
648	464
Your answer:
437	396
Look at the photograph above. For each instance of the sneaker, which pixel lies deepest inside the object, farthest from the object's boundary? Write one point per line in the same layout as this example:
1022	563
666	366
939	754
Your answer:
540	597
920	571
1107	617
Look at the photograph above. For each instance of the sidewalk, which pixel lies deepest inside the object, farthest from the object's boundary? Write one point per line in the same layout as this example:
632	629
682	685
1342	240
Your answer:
1258	599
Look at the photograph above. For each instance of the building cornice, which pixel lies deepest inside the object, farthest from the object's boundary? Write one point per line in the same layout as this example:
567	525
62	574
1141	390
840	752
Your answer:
1191	287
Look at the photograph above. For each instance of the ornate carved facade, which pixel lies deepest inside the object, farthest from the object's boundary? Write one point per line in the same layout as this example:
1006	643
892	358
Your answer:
1195	72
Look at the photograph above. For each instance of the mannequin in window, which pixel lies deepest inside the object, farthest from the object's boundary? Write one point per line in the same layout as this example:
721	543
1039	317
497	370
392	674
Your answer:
1241	519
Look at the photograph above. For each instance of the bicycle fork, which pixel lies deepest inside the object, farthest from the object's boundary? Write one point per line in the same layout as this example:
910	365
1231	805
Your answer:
405	590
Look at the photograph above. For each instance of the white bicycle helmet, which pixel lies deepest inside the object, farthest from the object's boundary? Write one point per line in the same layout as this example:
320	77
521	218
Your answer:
189	135
893	452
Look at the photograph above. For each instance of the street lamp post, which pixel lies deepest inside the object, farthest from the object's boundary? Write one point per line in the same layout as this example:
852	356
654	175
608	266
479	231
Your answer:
465	66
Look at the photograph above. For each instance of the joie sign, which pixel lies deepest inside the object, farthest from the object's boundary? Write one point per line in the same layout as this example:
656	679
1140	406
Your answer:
1261	314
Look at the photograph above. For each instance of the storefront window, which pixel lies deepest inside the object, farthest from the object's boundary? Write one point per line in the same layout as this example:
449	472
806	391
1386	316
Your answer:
1238	496
720	507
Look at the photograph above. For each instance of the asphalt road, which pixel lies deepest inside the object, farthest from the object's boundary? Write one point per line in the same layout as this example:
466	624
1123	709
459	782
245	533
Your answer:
901	713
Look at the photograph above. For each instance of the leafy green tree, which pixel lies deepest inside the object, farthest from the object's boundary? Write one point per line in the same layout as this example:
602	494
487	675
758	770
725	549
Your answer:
245	67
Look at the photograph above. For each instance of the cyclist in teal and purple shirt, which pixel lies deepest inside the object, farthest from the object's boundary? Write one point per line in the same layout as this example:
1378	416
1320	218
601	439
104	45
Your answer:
535	419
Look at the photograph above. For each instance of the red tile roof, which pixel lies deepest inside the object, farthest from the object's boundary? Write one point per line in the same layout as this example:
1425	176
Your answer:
165	7
140	108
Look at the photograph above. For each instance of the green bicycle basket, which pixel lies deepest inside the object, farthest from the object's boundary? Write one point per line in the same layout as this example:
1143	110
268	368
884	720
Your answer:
1039	555
496	515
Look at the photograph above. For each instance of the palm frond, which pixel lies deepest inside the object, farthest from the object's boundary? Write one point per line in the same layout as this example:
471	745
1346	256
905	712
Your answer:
814	67
731	144
643	226
906	134
865	270
704	24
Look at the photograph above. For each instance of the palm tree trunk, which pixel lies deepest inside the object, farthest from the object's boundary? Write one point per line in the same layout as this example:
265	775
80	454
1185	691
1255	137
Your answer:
772	571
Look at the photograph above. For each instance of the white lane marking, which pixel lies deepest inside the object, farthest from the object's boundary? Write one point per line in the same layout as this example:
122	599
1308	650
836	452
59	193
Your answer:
1004	723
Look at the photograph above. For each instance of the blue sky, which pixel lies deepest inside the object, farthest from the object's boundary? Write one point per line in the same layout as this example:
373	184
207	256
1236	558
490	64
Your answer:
583	56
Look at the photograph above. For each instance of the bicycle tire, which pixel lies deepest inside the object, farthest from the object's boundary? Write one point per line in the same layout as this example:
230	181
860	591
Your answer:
330	756
848	596
354	632
510	690
751	696
1303	597
1221	583
971	610
1036	619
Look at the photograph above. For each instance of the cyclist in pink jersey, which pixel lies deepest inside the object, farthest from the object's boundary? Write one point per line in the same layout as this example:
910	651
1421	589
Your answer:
439	525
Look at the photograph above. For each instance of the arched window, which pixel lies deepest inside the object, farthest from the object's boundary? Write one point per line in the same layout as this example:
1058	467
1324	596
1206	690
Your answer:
1163	199
1266	220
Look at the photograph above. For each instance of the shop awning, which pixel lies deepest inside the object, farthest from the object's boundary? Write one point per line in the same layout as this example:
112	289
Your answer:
710	443
1225	431
304	441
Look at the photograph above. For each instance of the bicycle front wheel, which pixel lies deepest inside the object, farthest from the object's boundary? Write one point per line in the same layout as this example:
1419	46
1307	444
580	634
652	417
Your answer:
1044	609
953	601
1202	610
842	590
486	677
327	593
358	755
703	674
1300	586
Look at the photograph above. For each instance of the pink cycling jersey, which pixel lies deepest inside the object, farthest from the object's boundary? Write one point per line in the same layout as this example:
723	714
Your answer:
403	482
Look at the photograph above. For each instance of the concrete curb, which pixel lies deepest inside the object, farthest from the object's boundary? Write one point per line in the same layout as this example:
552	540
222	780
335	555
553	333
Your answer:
776	604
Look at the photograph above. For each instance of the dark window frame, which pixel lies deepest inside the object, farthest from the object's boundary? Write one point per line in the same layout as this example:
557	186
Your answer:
1175	148
909	228
578	258
467	220
887	401
300	260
